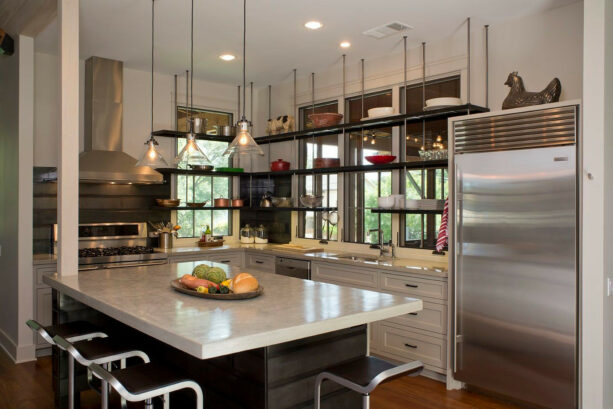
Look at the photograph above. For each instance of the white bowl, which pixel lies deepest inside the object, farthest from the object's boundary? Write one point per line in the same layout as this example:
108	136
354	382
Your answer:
380	111
412	204
398	201
442	102
386	202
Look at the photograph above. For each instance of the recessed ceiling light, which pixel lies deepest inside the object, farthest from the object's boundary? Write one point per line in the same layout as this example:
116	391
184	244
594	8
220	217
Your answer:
227	57
313	25
345	44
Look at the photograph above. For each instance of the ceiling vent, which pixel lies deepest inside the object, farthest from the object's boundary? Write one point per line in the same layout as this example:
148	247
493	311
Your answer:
387	30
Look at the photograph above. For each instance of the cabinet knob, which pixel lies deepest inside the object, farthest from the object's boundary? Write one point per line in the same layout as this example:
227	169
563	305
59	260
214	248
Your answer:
412	313
410	346
412	285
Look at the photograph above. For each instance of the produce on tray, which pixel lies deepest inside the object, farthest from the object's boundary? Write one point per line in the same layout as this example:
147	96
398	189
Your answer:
193	282
217	282
200	270
244	283
214	274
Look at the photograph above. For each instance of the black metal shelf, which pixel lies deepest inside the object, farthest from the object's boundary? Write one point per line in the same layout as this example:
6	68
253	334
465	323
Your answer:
202	136
197	208
406	211
419	164
176	171
375	123
295	209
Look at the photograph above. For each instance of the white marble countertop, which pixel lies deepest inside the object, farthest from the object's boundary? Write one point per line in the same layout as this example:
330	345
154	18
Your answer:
289	309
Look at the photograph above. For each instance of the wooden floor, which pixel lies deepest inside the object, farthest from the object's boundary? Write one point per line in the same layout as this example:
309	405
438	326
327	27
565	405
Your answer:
28	386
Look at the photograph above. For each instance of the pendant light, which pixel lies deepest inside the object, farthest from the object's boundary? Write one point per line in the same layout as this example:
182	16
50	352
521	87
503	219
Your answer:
191	154
244	143
152	156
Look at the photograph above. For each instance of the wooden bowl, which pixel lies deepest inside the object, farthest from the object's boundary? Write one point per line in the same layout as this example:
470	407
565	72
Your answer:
325	119
168	202
326	163
196	204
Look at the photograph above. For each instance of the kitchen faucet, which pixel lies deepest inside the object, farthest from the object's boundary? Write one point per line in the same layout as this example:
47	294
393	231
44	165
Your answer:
385	250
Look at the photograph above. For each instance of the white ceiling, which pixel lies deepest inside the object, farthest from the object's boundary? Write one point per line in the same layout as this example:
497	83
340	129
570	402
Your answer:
277	41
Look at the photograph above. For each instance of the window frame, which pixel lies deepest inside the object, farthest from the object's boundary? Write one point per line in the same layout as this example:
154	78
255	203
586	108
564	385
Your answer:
196	232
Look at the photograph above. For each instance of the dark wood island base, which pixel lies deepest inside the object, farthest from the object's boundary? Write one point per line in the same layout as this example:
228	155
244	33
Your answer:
279	376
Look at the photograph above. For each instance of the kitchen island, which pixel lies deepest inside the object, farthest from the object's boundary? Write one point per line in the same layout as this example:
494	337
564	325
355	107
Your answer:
257	353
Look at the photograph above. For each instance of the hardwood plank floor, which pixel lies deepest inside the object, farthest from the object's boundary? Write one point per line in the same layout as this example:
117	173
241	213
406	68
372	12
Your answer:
28	386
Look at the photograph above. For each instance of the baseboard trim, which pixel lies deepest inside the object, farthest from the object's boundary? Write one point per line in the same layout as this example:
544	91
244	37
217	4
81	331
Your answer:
25	353
8	345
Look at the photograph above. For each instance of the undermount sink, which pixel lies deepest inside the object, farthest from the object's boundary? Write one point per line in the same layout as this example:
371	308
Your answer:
357	258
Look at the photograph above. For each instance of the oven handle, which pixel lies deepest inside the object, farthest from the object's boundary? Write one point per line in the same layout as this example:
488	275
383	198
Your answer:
144	264
88	268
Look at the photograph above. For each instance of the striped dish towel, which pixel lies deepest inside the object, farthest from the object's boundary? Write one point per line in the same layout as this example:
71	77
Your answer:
441	241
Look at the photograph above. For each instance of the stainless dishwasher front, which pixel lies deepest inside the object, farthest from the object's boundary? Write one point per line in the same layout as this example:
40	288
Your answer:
292	267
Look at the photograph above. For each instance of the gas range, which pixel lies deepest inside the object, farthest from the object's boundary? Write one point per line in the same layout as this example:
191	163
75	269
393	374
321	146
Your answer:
116	245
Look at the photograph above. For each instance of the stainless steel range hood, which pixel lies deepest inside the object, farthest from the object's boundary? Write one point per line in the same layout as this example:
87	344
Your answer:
103	160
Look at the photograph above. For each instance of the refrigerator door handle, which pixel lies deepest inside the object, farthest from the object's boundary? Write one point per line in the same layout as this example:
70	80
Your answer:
456	261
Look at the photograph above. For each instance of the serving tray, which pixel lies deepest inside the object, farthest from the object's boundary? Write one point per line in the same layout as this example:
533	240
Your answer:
176	284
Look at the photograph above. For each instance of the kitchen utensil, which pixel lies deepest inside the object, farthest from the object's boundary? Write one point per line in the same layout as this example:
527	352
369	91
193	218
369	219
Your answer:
325	119
311	201
197	204
386	202
247	234
380	111
439	103
265	200
199	125
281	201
226	130
201	167
221	202
226	169
261	235
326	163
168	202
237	202
279	165
380	159
230	296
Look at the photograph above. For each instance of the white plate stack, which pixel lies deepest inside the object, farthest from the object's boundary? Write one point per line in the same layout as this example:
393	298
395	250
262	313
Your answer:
425	204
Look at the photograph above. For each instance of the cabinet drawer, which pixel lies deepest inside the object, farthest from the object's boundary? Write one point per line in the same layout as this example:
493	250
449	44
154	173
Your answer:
40	272
260	262
233	259
413	346
43	311
341	275
413	287
433	318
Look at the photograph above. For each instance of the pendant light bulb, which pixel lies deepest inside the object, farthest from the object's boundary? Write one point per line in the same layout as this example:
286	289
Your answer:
191	154
152	156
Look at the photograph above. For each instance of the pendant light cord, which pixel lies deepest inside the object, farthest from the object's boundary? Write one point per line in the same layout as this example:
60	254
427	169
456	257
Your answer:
191	91
152	54
244	56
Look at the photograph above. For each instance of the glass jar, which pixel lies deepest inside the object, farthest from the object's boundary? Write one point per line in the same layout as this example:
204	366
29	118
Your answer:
247	235
261	235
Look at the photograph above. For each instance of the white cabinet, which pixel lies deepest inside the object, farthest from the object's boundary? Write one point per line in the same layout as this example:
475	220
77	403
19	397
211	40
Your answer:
260	262
233	258
43	307
417	336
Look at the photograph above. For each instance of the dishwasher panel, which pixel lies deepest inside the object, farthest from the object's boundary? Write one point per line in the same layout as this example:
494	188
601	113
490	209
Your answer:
292	267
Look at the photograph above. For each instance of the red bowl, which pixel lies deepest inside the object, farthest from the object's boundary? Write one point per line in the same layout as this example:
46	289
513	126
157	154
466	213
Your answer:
380	159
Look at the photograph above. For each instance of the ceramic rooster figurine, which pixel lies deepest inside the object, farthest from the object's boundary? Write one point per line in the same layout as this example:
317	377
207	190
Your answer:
519	97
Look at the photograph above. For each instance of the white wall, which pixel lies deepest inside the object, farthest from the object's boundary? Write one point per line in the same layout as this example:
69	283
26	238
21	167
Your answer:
16	108
136	107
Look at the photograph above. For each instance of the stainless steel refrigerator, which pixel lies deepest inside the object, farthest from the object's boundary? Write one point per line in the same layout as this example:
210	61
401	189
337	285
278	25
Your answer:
514	249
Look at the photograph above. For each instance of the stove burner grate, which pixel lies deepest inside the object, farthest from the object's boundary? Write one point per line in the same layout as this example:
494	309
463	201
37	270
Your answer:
114	251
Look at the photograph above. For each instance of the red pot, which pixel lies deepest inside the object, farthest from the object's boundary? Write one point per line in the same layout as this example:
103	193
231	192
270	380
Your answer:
279	165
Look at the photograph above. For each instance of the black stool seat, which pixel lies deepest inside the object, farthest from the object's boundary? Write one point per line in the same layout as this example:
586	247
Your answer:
363	370
145	378
99	348
72	329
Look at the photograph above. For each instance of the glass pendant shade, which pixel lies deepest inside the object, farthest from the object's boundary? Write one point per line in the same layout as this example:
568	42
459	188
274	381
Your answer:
153	156
191	154
243	143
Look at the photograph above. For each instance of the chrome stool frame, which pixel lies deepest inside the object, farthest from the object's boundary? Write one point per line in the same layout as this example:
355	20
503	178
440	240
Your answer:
106	376
44	333
411	369
106	361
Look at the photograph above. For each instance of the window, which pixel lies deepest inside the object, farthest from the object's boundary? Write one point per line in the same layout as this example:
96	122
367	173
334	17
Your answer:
318	225
421	230
363	188
194	188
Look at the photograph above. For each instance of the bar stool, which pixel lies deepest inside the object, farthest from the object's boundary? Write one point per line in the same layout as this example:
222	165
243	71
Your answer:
363	375
146	381
72	332
102	351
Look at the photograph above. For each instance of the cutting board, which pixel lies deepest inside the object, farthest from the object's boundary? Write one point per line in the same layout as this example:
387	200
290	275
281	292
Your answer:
296	248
